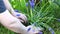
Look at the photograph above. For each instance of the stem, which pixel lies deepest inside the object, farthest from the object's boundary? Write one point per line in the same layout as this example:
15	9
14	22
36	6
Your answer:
31	13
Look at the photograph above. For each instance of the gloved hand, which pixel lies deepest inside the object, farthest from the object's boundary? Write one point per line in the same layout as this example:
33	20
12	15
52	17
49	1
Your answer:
20	16
34	29
12	23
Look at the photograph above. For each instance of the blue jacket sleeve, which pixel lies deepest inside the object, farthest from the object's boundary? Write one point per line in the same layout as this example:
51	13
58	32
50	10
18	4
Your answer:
2	6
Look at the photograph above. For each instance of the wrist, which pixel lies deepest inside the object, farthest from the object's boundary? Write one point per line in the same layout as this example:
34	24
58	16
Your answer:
4	12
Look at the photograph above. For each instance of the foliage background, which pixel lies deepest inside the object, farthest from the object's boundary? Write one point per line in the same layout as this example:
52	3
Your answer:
45	11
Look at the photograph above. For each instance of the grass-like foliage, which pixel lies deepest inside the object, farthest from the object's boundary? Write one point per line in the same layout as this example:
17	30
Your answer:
45	13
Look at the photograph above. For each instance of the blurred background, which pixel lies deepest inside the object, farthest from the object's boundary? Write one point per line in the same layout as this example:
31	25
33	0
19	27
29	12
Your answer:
45	13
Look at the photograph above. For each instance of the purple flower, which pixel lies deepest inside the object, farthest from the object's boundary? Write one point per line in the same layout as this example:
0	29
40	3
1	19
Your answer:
26	4
32	3
51	30
40	33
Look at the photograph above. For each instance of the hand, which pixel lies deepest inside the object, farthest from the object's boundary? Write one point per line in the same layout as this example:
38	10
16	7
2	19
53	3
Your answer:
12	23
34	30
20	16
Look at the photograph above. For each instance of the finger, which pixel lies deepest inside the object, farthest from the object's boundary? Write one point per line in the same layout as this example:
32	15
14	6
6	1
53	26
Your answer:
21	21
39	32
23	17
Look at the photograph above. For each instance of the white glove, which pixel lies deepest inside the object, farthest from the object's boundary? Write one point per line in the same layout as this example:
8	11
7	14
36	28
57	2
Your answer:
12	23
20	16
34	30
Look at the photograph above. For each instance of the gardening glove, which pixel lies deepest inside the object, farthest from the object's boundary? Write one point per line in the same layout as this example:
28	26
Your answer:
12	23
20	16
34	29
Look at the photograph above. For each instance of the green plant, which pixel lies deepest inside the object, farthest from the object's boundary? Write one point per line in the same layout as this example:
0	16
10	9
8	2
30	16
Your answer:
45	13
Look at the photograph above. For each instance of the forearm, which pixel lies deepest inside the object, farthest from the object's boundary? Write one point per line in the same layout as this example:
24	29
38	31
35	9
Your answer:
8	6
12	23
9	21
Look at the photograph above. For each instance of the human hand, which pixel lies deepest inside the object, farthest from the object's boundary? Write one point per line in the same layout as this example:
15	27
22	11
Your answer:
34	30
20	16
12	23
